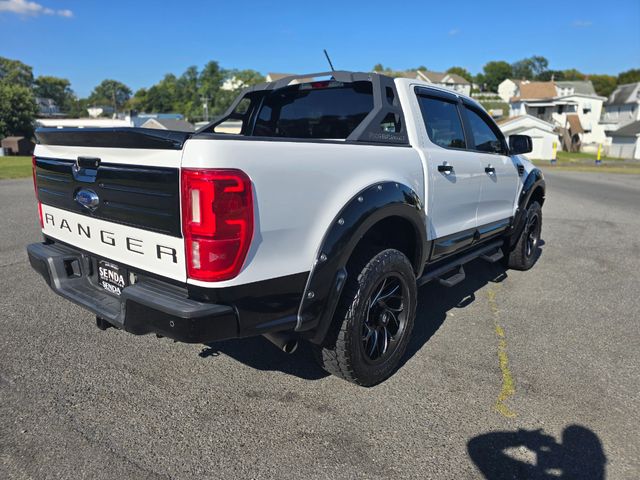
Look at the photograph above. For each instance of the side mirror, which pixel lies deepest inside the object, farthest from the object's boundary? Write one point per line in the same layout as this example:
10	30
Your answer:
520	144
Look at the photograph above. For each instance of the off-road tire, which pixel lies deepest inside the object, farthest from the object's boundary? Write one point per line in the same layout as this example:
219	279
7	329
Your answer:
525	252
342	354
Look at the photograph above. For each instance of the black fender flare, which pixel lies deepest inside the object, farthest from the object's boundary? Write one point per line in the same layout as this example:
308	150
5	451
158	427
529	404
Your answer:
328	275
534	179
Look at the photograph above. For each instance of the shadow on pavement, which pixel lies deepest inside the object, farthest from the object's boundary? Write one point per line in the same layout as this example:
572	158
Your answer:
532	454
434	301
259	353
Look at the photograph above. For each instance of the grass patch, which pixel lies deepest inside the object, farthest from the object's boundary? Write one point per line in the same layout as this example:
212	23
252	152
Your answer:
580	157
612	167
586	162
15	167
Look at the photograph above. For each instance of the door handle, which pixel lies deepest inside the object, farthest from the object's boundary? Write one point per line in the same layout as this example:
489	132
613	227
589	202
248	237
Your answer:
490	170
446	169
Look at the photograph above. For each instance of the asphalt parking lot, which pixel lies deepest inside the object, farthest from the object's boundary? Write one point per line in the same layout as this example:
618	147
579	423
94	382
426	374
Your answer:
510	375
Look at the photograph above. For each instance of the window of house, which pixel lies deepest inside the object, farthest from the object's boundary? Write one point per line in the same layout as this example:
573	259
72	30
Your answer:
560	108
484	136
541	110
442	121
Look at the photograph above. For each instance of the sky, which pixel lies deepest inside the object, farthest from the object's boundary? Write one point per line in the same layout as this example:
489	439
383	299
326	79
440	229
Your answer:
138	41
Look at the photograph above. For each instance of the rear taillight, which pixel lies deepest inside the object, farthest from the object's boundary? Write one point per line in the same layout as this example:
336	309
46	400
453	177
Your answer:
35	187
217	222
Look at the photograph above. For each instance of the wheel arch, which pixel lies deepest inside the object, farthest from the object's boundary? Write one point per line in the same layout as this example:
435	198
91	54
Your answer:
533	189
374	214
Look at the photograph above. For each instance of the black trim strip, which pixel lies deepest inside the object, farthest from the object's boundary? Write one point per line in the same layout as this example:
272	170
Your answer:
456	242
144	138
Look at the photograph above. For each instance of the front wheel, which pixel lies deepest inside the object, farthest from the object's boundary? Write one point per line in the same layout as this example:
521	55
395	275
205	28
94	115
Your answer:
525	252
374	319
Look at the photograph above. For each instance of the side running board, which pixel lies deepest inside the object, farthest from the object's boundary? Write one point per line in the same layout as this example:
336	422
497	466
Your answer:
490	252
453	279
493	258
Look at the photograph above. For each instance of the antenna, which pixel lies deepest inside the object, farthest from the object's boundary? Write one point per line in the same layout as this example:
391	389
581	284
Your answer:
329	60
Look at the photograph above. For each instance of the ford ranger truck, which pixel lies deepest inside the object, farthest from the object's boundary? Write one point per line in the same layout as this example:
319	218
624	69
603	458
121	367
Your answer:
312	210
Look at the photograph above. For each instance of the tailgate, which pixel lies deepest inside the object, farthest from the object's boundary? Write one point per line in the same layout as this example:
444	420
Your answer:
114	194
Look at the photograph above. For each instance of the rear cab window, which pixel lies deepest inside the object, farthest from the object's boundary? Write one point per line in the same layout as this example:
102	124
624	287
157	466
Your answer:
322	110
346	107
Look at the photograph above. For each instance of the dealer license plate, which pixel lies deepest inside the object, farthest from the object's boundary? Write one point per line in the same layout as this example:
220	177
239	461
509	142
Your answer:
112	277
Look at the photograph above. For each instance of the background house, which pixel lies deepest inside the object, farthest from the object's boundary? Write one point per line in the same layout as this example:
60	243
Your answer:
17	146
451	81
138	119
543	134
572	107
176	125
47	107
622	107
625	141
509	88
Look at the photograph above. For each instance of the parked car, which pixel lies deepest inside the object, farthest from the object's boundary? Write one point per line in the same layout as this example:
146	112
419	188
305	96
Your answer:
317	220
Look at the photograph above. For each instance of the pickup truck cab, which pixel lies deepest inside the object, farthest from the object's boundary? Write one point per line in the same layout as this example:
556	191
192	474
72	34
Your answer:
311	210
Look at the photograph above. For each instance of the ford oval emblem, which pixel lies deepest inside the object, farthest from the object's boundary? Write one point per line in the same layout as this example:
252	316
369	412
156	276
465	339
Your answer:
87	198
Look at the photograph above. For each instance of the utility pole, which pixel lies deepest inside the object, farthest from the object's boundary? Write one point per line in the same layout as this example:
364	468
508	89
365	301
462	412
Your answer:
205	106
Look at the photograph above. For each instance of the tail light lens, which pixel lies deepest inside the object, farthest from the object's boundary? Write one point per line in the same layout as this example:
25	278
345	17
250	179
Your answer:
217	221
35	187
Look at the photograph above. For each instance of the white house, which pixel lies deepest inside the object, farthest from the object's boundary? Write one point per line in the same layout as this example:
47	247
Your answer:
622	107
176	125
509	88
451	81
572	106
625	141
543	134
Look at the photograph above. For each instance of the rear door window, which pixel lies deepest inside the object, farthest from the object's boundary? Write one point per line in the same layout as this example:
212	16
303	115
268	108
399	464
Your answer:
442	121
329	110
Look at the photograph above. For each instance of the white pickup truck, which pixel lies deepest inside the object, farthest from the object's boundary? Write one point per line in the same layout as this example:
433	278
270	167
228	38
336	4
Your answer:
311	210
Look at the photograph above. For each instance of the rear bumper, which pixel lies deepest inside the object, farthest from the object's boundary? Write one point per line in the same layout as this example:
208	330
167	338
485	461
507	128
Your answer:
148	306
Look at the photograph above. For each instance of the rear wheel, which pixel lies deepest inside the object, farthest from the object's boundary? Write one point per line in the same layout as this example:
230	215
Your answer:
374	319
525	252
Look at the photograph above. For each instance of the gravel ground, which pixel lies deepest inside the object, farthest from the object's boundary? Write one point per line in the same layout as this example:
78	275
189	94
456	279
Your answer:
510	374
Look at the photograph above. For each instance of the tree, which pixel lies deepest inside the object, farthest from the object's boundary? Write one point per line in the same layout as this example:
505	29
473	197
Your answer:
235	81
112	93
17	110
495	73
548	75
530	68
58	89
15	72
463	72
78	107
603	84
538	65
630	76
573	74
522	70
